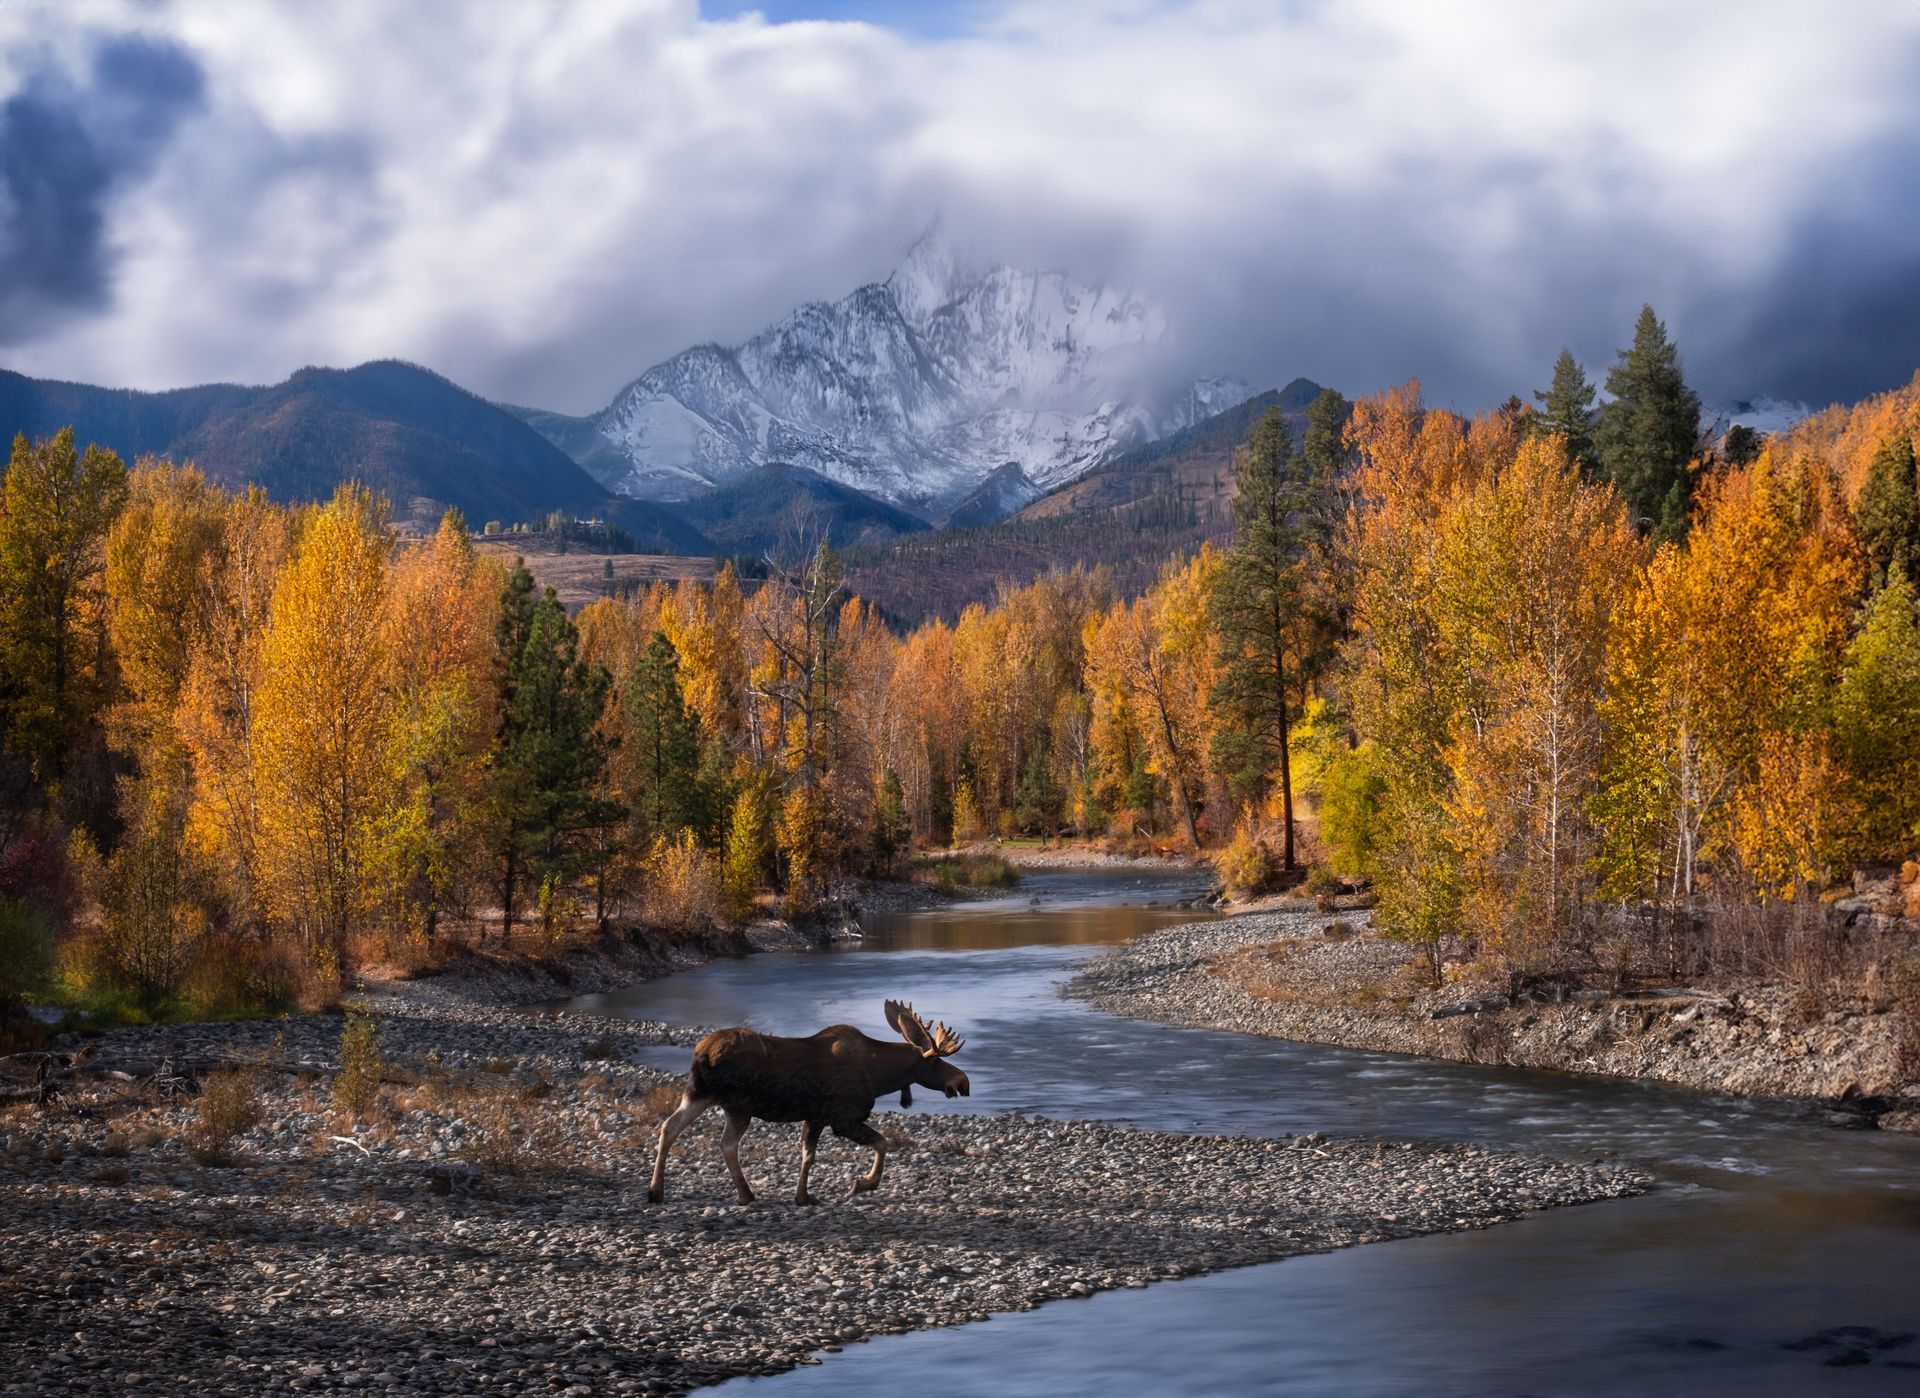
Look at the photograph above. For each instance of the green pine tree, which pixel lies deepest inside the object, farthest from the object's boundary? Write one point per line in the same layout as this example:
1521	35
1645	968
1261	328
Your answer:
1263	609
1887	514
1742	446
1324	443
550	753
892	829
1566	407
1038	801
1647	435
663	748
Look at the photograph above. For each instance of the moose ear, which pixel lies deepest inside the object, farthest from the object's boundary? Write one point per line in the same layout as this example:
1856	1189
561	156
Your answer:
908	1026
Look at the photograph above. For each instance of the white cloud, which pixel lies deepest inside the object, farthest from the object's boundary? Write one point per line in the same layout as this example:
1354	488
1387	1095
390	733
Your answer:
542	200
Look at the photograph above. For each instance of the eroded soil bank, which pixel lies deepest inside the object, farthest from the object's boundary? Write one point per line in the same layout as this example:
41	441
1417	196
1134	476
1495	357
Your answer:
1282	974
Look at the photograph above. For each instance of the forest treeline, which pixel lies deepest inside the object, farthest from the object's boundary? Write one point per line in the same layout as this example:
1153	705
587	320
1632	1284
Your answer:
1514	671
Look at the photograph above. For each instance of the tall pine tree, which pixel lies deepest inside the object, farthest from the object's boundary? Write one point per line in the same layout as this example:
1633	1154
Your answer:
1264	613
1566	407
662	748
1324	443
551	751
1646	436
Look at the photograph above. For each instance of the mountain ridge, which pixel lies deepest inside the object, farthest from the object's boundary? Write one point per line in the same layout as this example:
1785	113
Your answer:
405	431
914	389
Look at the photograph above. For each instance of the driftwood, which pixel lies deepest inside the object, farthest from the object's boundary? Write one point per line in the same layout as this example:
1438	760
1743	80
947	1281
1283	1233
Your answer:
1472	1007
169	1076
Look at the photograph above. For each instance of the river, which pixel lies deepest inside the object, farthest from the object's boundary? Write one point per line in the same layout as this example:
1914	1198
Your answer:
1777	1255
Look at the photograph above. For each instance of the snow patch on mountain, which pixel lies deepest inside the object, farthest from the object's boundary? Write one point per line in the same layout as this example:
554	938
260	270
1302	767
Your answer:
915	389
1766	416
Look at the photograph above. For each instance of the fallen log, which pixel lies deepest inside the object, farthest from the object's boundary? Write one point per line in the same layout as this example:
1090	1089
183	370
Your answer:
1472	1007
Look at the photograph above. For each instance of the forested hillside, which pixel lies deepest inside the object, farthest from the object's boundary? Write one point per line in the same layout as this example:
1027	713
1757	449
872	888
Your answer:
1516	673
776	508
1126	517
406	433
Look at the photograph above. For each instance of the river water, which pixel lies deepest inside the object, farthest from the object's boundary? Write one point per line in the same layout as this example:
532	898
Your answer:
1777	1255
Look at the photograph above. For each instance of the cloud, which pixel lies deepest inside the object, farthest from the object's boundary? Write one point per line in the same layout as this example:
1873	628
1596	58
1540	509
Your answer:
541	201
66	144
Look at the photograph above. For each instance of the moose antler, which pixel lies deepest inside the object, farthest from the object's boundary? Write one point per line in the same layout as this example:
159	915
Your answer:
938	1042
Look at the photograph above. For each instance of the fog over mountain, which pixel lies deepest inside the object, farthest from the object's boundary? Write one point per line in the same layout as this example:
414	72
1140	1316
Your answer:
1360	191
915	389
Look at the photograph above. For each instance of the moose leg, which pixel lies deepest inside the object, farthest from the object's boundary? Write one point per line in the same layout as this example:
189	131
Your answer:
737	1124
690	1107
862	1134
809	1138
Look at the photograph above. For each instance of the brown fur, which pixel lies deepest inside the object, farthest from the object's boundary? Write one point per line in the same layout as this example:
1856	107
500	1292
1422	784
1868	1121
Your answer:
828	1080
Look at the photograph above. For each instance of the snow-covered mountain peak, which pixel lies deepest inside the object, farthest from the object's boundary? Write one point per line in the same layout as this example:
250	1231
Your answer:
935	273
915	389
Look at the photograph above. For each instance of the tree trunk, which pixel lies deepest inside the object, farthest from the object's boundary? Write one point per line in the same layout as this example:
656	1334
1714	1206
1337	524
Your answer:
1286	790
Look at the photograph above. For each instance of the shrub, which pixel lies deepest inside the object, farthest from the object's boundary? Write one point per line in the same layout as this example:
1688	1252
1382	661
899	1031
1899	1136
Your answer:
229	1108
681	890
973	871
26	950
749	844
232	979
356	1087
1322	882
1243	863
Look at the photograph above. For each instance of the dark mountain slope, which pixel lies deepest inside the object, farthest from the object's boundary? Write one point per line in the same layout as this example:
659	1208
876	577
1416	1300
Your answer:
410	434
1130	515
777	506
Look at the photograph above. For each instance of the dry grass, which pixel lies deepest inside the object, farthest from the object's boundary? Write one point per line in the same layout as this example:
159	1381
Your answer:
229	1107
356	1087
579	577
514	1138
657	1104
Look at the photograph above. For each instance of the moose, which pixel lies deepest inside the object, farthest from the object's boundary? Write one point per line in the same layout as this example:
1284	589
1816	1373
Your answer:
831	1079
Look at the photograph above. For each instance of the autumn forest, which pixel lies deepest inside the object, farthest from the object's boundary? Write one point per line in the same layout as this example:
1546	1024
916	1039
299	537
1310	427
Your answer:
1559	681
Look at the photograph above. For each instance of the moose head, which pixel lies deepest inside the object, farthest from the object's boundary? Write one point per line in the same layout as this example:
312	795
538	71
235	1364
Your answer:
934	1044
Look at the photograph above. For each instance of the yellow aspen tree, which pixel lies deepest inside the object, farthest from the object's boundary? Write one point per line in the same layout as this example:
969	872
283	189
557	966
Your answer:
220	694
324	703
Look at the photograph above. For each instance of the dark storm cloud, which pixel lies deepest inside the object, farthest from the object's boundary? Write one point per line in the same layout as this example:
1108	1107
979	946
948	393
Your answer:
66	146
1837	314
542	201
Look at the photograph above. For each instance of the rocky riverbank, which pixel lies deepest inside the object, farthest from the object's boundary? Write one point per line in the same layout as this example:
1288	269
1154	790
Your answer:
486	1226
1298	975
482	975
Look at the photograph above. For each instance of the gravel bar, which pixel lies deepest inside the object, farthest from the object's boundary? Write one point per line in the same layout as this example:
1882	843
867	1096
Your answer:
492	1232
1282	975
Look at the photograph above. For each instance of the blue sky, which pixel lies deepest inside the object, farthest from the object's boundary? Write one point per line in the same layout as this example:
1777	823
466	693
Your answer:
931	17
541	201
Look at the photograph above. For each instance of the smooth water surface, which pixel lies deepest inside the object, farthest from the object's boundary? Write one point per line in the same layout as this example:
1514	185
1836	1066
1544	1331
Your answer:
1778	1256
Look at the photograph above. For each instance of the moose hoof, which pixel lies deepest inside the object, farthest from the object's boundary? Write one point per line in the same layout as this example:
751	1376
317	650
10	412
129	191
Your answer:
654	1196
746	1196
803	1200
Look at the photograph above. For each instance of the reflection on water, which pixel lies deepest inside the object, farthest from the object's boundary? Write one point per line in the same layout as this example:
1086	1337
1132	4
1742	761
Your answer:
1778	1256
